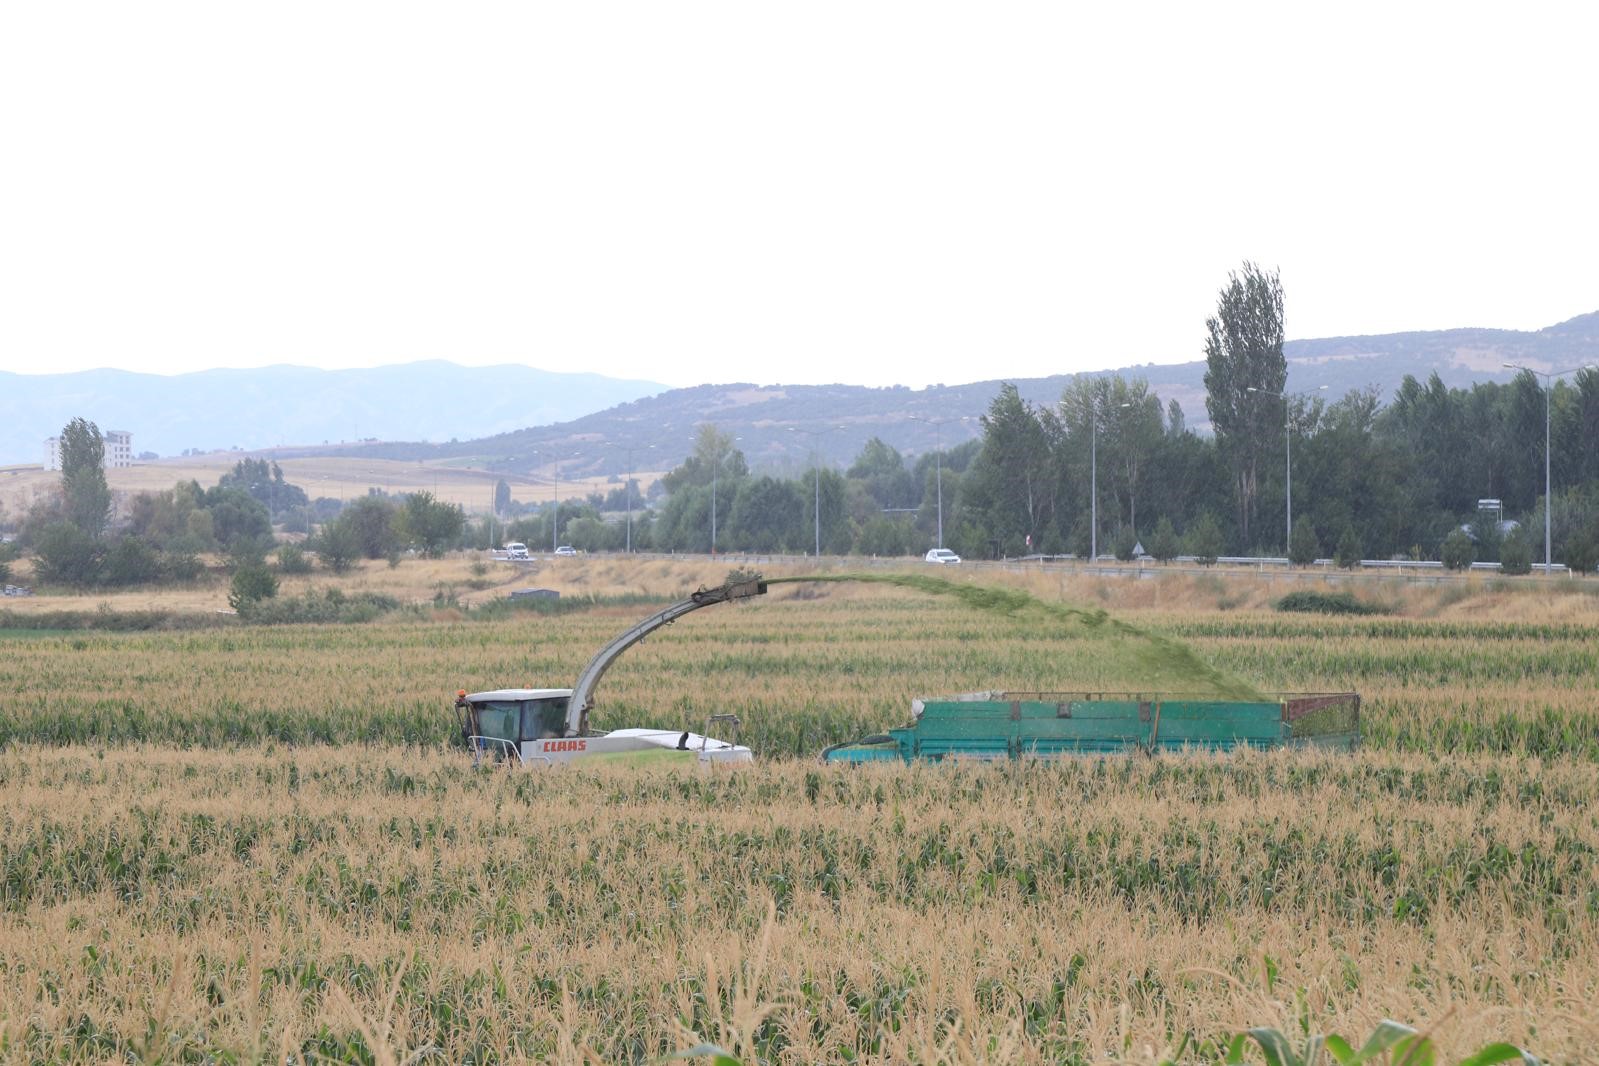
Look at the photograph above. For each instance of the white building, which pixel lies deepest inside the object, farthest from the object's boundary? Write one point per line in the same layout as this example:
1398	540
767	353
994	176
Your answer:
118	449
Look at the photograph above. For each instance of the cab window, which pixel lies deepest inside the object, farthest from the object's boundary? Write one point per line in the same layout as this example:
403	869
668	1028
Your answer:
499	719
542	719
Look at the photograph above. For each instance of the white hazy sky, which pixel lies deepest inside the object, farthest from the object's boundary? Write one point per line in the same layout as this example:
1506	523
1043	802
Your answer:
870	193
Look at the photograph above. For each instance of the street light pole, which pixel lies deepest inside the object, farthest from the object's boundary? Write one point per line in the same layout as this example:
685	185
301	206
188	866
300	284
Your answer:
1288	472
817	506
1093	479
1548	499
938	462
627	490
716	468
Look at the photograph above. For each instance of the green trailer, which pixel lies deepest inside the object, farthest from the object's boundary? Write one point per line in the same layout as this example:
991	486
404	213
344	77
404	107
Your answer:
1013	725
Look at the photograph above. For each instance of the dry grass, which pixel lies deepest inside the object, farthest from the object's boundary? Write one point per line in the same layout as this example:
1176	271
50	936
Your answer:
336	478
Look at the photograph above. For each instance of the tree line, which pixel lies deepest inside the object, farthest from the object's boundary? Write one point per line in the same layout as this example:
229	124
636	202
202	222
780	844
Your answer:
1109	467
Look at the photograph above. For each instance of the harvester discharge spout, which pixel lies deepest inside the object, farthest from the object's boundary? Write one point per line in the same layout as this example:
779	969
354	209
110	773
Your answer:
589	679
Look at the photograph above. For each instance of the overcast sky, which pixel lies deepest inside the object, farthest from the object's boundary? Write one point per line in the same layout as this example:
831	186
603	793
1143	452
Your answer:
812	192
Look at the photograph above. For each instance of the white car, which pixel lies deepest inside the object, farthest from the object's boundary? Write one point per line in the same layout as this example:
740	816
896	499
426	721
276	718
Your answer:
566	549
942	556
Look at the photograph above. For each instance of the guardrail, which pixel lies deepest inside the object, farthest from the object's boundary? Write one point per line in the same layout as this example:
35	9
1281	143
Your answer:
1419	570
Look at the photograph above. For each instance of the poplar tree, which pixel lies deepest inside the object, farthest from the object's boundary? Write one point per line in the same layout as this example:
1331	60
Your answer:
1245	373
83	484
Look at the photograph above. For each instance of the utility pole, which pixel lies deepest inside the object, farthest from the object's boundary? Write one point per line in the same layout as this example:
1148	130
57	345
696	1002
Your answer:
938	462
1288	473
817	507
1548	501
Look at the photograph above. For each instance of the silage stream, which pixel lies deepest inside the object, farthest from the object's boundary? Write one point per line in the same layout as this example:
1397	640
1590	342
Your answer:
1163	660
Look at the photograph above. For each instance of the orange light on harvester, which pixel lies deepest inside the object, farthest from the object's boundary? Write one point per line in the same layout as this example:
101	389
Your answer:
461	695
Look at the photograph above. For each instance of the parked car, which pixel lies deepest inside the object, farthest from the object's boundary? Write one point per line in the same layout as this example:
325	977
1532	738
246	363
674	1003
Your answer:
566	549
943	556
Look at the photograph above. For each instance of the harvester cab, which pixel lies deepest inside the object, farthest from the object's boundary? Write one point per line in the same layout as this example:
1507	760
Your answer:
497	724
546	726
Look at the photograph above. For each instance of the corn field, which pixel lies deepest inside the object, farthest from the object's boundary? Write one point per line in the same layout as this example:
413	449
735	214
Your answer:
249	844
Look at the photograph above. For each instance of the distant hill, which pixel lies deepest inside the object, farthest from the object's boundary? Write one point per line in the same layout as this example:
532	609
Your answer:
257	408
762	415
516	419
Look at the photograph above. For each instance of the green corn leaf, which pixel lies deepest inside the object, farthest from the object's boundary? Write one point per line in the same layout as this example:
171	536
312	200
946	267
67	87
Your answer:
1341	1052
1275	1047
1387	1035
1415	1050
1501	1052
718	1056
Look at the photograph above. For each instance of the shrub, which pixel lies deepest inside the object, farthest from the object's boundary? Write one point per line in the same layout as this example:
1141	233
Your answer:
1123	543
1457	551
252	583
131	561
1303	547
66	554
1163	542
1309	602
1582	550
179	565
1348	552
338	546
1204	540
1515	554
331	606
293	560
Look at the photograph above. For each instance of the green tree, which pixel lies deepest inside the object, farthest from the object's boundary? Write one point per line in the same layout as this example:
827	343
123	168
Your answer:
1205	541
881	469
1457	551
1515	554
885	536
83	484
238	519
1245	373
292	560
1303	547
768	515
1582	550
130	561
1134	432
837	537
65	554
252	583
338	546
1012	486
1123	542
1347	554
1163	542
502	496
431	524
181	565
713	451
263	481
376	526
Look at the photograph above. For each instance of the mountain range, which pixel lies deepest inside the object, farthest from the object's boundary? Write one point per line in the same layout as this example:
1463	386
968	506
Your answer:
275	405
515	418
781	427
